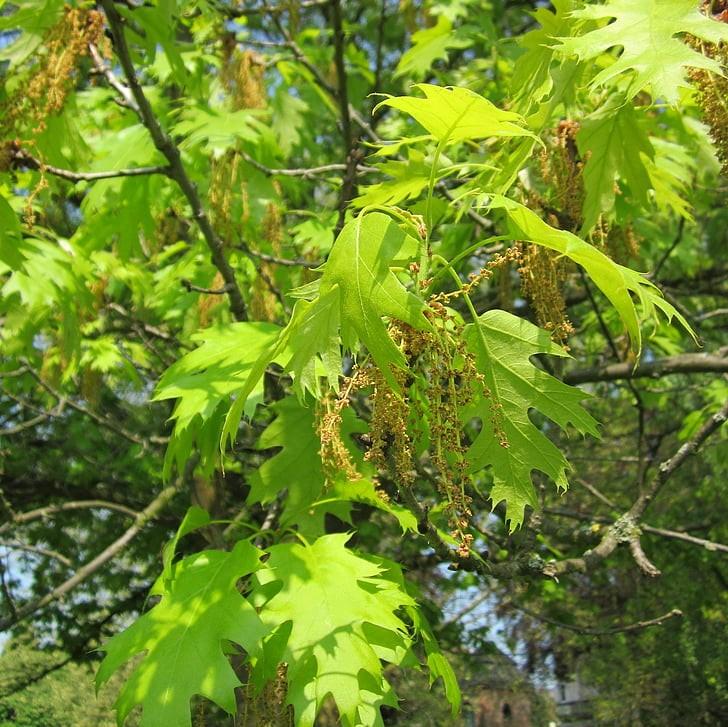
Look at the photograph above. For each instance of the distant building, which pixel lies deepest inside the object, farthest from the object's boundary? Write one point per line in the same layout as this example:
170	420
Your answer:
574	704
500	695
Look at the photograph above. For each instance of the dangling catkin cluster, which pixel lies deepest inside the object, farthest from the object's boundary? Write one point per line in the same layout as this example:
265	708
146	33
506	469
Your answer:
242	76
622	243
263	304
336	460
269	708
55	74
712	89
391	446
562	169
542	279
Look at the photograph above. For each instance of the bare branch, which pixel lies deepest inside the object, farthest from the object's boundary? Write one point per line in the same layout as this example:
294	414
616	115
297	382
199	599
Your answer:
272	9
37	550
103	421
149	513
127	98
192	288
305	172
298	262
44	512
686	363
626	529
591	631
677	535
668	467
21	157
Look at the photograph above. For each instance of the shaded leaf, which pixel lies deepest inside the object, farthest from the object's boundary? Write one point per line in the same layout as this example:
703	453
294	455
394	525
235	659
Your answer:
617	282
509	442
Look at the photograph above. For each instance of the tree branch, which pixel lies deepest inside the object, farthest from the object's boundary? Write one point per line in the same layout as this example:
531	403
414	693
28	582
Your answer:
167	147
44	512
591	631
21	157
142	518
687	363
37	550
103	421
626	529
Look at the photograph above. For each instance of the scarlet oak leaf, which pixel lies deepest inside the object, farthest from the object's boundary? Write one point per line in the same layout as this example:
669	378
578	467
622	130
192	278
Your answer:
614	145
457	114
360	267
357	290
509	442
649	34
344	620
618	283
203	382
182	639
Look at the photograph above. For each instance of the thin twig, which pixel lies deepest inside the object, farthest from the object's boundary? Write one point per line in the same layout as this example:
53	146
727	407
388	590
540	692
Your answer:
297	262
594	491
192	288
591	631
127	99
677	535
233	12
626	528
103	421
29	161
44	512
149	513
37	550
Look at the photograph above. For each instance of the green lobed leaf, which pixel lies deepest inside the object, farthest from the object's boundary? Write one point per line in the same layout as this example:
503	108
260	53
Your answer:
456	114
509	442
204	380
356	290
344	621
408	180
653	51
181	639
11	237
614	145
359	266
429	45
617	282
297	466
532	80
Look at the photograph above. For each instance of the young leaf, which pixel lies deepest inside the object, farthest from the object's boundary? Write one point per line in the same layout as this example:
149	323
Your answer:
617	282
457	114
359	266
429	45
647	31
203	381
532	79
343	615
508	441
613	144
357	289
11	237
182	639
297	467
409	179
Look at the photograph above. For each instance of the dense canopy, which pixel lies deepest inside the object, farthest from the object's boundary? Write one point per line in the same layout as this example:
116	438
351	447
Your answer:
342	340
